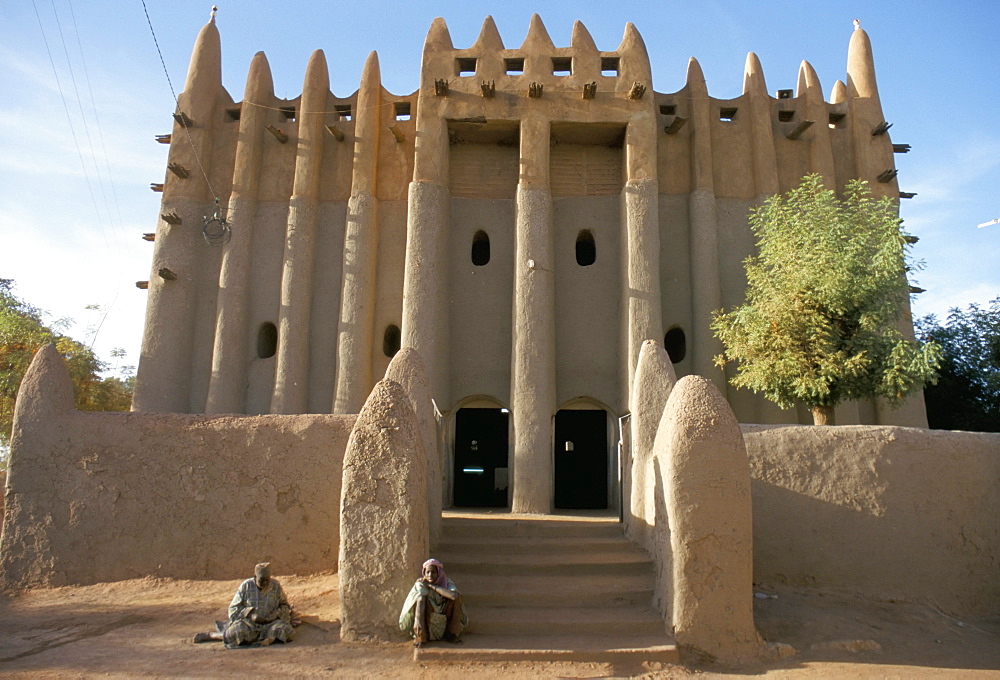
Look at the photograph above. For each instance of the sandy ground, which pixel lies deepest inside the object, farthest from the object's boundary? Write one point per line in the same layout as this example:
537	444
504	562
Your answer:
144	628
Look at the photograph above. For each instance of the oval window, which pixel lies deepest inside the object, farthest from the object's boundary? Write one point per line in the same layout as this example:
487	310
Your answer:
480	248
586	250
267	340
675	342
390	340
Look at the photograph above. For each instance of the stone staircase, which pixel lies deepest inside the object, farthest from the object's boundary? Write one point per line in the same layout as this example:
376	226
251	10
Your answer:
549	587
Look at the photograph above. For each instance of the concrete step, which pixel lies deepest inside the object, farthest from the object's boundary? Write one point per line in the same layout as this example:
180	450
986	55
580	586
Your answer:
521	526
622	563
632	621
550	587
524	546
558	591
605	648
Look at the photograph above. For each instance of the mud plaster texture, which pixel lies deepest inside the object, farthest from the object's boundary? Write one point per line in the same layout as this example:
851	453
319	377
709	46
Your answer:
706	479
408	370
889	512
384	525
654	380
96	497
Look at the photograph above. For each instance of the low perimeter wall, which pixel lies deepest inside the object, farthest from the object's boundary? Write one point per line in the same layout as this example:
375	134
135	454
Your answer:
111	496
890	512
95	497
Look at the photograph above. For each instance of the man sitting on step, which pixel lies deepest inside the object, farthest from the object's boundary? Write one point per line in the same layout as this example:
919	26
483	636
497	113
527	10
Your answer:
434	609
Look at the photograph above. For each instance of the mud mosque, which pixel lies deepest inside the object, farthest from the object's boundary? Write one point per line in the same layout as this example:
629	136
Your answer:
524	220
493	292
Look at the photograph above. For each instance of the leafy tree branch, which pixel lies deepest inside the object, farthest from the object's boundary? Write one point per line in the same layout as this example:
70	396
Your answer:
825	295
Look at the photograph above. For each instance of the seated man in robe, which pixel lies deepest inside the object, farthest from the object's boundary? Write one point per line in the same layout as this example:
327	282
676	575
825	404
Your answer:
259	613
434	609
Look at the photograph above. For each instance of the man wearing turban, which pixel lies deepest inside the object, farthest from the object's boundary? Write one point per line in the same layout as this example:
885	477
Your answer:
259	613
434	609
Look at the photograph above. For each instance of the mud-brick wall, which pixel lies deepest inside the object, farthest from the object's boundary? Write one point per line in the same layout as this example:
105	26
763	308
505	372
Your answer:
95	497
889	512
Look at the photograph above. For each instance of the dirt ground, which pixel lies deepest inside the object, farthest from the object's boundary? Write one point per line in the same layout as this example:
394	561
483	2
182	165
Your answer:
144	628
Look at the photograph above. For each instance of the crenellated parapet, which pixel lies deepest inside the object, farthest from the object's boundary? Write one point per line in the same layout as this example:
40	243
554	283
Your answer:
482	90
536	70
778	136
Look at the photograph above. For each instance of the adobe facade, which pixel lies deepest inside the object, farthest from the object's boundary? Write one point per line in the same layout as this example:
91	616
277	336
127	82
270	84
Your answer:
524	221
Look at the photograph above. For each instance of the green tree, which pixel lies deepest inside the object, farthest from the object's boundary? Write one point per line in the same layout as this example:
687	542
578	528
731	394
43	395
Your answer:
967	393
824	296
22	332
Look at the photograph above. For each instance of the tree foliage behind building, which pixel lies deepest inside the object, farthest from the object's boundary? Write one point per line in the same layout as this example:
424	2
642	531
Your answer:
23	331
967	393
825	293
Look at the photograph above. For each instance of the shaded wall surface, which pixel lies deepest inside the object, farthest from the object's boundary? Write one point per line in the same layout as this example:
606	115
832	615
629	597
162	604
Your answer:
889	512
95	497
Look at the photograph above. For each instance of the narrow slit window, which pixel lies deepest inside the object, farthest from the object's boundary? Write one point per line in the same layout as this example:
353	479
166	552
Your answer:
562	66
466	66
609	66
343	111
727	113
267	340
480	248
390	340
668	109
675	342
402	110
514	67
586	249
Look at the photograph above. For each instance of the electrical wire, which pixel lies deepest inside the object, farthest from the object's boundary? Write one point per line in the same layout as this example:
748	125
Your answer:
69	119
117	236
178	104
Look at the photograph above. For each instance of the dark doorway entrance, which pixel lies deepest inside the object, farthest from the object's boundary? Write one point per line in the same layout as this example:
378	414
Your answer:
481	471
581	459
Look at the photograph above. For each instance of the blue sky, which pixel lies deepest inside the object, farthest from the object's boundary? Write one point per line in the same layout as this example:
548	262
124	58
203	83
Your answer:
85	93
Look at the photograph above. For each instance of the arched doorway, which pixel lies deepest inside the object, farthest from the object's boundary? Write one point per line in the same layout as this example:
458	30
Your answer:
581	458
481	469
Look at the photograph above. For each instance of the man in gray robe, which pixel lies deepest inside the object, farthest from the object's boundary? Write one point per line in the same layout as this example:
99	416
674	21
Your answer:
259	613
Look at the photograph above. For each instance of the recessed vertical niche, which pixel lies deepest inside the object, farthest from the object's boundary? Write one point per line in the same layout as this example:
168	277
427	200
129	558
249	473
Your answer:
675	342
267	340
586	249
390	340
480	248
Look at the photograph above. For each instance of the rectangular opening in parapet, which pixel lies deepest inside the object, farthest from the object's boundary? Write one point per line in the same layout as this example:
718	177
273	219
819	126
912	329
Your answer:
668	109
466	66
837	120
609	66
562	66
786	116
288	112
727	113
402	110
234	112
343	111
514	66
785	94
